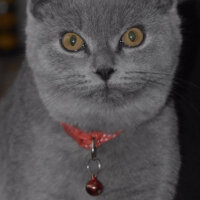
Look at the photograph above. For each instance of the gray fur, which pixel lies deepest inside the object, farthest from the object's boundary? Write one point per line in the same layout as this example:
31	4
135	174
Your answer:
38	160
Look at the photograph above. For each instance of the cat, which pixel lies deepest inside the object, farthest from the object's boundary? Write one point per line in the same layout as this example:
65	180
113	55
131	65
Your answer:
100	66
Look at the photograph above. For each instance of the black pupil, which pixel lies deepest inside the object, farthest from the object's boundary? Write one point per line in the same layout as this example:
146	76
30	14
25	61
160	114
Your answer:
73	40
132	36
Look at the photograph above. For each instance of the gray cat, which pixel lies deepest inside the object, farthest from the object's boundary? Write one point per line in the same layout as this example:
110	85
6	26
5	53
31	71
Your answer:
100	65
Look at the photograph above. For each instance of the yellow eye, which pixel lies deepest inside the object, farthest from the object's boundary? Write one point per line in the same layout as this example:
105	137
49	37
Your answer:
72	42
133	37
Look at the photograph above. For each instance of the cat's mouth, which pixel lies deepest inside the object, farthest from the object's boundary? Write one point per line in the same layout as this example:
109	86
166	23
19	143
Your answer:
116	94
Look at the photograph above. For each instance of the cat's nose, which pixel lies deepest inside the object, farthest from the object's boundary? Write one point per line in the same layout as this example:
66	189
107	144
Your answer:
105	73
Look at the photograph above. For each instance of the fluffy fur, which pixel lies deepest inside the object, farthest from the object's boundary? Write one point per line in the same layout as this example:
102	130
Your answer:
39	161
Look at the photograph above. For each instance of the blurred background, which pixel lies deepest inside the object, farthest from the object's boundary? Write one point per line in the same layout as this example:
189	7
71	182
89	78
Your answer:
186	90
12	37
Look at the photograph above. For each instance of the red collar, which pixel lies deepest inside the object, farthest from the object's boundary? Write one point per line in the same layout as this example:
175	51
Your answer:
85	139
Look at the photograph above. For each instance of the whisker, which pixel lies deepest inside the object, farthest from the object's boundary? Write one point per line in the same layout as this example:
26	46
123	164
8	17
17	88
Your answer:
158	74
148	72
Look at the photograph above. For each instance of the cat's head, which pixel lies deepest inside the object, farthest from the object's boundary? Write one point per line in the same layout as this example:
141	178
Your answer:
103	63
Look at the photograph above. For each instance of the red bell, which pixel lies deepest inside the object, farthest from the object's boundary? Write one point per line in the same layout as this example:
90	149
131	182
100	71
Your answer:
94	187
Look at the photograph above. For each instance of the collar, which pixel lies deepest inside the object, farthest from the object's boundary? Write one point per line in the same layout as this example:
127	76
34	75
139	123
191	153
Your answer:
84	139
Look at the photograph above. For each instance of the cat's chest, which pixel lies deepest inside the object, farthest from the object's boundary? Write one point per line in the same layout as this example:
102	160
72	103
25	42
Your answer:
45	163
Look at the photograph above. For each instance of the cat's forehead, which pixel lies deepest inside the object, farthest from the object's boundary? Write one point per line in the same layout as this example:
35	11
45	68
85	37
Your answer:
99	4
107	16
107	8
97	16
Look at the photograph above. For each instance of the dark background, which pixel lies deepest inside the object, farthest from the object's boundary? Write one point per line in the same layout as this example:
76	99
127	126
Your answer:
186	88
187	96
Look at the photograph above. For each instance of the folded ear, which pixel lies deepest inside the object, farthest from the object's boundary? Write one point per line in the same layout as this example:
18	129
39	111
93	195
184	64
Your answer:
165	5
39	8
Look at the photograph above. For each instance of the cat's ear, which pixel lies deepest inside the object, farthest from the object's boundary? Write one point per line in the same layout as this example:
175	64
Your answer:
38	8
165	5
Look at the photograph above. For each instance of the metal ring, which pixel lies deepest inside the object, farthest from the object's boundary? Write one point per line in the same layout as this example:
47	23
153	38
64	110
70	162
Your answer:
89	166
94	149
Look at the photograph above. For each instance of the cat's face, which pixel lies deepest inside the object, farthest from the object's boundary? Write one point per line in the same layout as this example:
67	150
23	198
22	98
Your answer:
93	69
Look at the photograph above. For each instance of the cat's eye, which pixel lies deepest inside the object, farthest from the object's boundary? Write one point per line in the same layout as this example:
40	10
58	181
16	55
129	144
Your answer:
132	37
72	42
